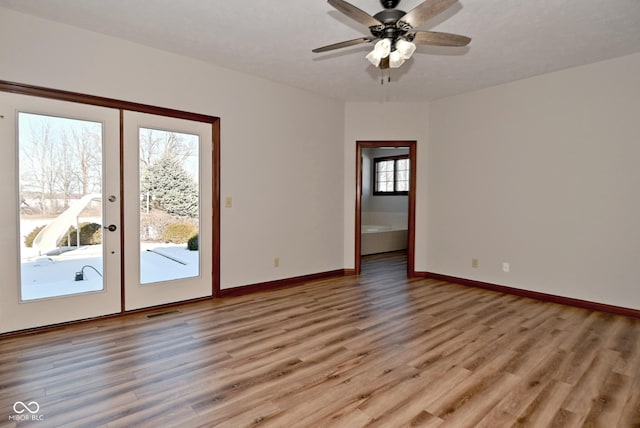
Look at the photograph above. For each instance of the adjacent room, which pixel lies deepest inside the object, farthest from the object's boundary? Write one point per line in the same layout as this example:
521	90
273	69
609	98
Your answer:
321	213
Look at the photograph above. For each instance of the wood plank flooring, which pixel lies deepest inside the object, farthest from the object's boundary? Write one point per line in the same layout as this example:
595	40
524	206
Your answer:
376	350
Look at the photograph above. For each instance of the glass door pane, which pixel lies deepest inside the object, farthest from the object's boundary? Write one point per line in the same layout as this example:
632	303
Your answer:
169	205
60	191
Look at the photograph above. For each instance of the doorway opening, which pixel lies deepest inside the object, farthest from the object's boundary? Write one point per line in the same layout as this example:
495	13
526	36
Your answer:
385	201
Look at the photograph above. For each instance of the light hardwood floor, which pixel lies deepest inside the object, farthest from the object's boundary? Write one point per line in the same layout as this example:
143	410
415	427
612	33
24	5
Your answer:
375	350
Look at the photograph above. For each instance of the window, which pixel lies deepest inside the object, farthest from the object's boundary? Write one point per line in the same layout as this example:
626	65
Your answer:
391	175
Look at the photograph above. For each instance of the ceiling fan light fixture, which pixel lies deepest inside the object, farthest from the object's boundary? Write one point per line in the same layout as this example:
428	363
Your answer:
382	49
405	48
394	31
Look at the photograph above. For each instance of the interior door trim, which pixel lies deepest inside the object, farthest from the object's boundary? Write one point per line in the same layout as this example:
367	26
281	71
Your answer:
38	91
56	94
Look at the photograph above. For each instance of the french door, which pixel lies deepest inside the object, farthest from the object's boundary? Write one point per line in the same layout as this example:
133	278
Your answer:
75	241
168	209
58	262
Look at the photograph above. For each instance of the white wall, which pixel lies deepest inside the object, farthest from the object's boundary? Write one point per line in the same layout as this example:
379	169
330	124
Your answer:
276	141
544	174
383	122
541	173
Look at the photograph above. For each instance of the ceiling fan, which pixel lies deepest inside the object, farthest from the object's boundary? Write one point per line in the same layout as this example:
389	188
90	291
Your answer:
394	30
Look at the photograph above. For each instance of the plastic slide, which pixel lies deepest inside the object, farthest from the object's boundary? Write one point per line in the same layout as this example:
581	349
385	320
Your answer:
51	234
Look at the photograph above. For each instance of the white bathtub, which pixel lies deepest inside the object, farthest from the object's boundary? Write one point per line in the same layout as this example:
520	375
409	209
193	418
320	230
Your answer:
382	239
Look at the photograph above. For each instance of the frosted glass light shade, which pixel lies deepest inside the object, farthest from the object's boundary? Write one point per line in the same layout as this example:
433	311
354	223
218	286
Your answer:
395	59
374	58
380	50
405	48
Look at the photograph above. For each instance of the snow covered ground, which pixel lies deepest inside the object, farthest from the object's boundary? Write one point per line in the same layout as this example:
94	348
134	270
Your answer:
54	275
51	276
165	262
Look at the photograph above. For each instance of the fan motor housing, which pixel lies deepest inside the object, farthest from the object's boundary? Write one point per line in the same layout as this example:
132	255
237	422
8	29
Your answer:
389	17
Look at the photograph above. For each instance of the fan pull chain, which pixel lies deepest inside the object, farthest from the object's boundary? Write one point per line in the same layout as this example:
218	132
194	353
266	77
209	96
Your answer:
382	76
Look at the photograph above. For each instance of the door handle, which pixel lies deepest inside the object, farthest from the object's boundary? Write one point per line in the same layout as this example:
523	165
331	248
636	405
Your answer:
111	228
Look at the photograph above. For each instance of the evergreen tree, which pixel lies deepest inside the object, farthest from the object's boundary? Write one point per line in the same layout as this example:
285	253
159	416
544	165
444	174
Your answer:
170	188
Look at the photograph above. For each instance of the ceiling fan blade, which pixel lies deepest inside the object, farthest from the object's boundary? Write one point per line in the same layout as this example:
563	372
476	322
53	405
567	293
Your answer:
425	10
354	13
435	38
343	44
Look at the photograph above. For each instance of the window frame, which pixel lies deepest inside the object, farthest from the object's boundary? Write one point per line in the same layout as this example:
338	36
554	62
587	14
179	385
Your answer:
395	160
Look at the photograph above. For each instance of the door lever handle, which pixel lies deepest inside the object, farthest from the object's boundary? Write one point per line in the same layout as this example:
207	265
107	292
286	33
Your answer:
111	228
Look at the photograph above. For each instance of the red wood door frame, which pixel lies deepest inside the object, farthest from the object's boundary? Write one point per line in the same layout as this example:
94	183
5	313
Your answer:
411	145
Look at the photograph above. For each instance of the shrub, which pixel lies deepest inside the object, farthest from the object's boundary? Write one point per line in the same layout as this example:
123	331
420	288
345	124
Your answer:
90	234
179	233
192	243
28	240
153	223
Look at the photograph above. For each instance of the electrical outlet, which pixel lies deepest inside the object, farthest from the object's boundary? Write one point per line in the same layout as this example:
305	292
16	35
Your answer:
276	262
505	267
475	263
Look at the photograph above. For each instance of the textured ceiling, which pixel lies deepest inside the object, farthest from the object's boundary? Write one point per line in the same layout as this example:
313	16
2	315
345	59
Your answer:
511	39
